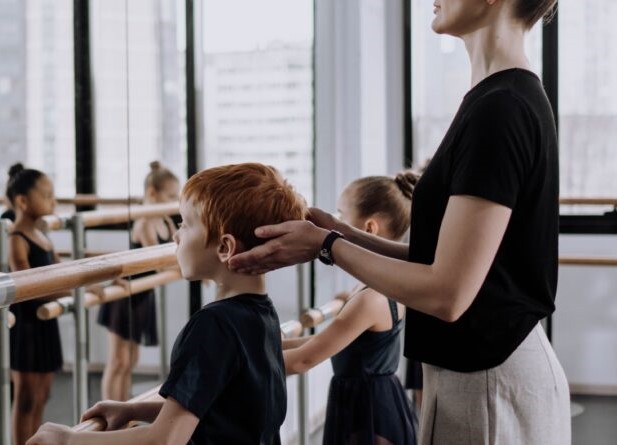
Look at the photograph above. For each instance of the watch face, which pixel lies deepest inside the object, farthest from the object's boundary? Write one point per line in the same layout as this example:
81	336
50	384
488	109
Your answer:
324	256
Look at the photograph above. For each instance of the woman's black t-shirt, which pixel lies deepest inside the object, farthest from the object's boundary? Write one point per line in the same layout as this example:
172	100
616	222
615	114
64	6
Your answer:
227	369
501	146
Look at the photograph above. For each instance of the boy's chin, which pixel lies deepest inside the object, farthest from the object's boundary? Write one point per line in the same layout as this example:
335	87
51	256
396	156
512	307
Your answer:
191	275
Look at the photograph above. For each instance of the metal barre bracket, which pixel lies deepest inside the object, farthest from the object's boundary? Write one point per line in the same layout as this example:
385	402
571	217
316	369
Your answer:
7	289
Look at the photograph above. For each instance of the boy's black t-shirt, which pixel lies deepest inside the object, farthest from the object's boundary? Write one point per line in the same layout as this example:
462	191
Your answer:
501	146
227	369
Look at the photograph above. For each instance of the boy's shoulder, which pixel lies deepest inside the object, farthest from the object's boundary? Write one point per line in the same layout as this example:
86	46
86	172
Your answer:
229	312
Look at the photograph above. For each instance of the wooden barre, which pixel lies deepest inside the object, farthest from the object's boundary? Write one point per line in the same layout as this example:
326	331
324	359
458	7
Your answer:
315	316
88	199
87	254
99	424
588	201
11	317
41	281
51	222
291	329
95	218
587	261
114	292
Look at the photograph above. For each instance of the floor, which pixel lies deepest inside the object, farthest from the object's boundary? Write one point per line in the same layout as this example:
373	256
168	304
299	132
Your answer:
596	425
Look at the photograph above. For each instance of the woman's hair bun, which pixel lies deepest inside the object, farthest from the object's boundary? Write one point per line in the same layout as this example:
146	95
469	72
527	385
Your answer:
155	166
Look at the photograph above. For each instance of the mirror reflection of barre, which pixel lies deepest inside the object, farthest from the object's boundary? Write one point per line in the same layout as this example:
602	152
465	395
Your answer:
113	292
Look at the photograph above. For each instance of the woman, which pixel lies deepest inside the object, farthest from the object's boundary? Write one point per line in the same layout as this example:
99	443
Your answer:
482	268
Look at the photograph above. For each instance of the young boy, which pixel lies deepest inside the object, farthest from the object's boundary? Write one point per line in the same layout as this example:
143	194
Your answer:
227	379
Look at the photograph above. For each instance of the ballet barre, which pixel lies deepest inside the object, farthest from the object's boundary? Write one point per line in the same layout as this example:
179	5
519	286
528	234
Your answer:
99	424
120	215
113	292
34	283
315	316
87	254
292	329
588	201
587	261
89	199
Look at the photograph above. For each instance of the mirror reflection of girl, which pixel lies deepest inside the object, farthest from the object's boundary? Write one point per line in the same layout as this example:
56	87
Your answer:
36	351
366	402
132	321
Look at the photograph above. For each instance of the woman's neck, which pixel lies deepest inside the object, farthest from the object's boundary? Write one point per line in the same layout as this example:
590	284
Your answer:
496	47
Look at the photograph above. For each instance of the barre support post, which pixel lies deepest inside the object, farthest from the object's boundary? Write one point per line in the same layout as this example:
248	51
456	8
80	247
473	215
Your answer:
80	368
162	322
5	377
303	429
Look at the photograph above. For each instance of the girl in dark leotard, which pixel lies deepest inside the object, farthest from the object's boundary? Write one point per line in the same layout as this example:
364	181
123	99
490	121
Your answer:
366	402
36	352
132	321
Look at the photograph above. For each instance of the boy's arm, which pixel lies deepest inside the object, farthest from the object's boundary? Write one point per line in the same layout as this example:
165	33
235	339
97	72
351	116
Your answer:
147	411
173	425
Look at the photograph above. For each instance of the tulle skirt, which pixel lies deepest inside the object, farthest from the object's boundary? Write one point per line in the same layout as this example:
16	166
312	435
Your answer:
35	344
132	318
369	410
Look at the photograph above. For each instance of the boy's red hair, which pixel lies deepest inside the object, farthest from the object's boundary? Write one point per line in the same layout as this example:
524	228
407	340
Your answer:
236	199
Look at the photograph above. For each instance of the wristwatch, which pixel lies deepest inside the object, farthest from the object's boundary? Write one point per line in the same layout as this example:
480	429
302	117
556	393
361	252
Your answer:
325	253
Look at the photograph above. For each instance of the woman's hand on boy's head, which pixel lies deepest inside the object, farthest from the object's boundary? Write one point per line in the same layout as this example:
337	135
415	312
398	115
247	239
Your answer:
292	242
51	434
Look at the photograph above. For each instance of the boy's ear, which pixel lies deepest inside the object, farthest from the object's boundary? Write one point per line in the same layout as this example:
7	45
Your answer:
228	247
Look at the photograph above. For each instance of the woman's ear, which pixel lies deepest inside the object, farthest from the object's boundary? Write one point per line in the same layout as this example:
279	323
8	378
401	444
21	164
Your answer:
228	247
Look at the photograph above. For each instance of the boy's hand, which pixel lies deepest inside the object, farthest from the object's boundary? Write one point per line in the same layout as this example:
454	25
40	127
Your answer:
115	414
51	434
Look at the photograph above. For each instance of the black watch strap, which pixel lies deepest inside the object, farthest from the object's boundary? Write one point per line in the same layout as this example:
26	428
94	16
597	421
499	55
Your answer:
325	253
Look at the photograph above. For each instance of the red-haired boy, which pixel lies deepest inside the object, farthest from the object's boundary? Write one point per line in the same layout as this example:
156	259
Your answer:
227	378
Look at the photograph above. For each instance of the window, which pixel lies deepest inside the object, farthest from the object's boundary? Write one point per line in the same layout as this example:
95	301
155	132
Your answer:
258	86
138	63
588	99
36	85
